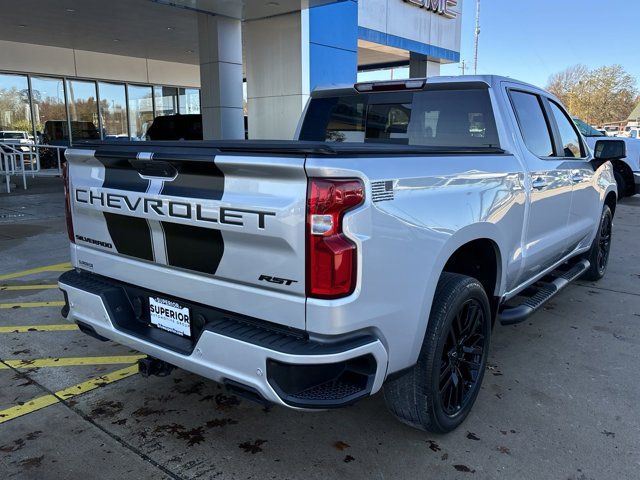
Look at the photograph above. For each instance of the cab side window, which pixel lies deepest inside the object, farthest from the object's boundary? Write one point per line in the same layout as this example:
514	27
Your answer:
571	146
533	123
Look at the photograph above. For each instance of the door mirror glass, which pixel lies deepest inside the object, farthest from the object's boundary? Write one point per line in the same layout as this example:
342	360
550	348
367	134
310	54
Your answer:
610	150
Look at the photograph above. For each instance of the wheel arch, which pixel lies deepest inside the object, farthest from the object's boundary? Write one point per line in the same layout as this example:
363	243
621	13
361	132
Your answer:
488	238
479	259
482	240
625	170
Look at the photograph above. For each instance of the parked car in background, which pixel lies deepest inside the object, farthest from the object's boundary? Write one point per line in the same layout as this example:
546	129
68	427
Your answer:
181	127
56	134
312	273
176	127
21	141
13	135
611	131
21	138
627	169
634	133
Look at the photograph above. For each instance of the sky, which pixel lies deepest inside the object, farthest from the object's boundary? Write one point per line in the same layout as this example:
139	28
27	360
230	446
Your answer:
530	40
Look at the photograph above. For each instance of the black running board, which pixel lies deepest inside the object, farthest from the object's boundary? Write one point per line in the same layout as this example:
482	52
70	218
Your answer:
541	293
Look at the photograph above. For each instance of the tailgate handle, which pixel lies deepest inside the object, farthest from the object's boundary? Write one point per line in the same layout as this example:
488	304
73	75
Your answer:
154	168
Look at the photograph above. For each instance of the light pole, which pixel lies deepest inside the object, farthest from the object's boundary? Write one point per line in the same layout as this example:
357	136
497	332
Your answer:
477	38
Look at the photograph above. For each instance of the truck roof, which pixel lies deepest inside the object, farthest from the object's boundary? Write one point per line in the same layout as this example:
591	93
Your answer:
489	80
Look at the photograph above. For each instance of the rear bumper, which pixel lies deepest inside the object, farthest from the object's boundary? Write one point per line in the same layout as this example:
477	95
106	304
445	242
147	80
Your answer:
280	365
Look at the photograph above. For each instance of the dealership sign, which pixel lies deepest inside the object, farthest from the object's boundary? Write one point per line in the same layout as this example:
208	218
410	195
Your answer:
441	7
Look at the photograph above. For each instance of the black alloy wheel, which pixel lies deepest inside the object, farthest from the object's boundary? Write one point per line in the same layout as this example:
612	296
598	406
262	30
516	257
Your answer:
598	254
438	393
604	243
462	358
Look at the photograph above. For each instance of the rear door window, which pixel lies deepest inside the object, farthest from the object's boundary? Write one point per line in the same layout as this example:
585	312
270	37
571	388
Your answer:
438	118
533	123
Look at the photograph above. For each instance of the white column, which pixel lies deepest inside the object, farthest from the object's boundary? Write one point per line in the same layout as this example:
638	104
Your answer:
220	47
421	67
277	74
290	55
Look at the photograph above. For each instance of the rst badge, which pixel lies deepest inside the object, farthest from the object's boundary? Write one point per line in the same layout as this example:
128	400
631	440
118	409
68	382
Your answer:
276	280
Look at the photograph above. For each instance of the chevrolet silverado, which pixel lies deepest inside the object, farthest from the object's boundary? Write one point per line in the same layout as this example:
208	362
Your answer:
374	252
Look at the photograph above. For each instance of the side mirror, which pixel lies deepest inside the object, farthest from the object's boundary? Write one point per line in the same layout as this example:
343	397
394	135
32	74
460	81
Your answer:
606	150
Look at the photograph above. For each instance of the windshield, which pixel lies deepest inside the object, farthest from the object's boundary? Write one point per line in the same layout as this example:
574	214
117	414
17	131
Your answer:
438	118
587	130
12	135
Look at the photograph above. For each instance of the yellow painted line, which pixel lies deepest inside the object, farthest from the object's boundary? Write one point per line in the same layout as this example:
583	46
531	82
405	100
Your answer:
66	393
70	361
31	305
28	407
26	287
64	327
59	267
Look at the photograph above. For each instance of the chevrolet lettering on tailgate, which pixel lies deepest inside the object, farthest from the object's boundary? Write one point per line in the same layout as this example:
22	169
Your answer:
162	207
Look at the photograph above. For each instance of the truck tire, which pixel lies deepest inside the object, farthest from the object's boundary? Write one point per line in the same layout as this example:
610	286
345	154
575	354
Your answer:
437	394
598	255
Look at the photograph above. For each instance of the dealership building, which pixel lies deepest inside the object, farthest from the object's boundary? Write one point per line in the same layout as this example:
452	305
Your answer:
119	64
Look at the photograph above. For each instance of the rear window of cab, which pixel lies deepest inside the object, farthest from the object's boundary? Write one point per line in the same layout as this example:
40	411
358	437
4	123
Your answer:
438	118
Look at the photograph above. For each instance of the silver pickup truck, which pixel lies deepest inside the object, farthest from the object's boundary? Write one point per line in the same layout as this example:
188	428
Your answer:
377	251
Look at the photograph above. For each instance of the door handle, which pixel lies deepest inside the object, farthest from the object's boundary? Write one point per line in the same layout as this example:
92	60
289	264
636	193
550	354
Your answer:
539	183
577	177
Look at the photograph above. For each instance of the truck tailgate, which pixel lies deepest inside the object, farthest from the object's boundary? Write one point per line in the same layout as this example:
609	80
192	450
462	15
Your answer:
221	229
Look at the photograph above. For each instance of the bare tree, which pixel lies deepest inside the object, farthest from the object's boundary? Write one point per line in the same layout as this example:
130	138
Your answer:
598	96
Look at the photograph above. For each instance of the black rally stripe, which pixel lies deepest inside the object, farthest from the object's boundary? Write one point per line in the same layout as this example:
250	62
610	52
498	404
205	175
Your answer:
119	173
193	248
131	236
188	247
196	179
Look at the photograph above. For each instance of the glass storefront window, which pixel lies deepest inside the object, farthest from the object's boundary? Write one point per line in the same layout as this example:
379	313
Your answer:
83	110
117	119
15	114
140	111
189	100
49	110
166	99
113	110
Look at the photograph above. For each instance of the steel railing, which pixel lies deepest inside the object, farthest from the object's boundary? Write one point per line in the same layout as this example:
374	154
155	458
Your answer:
14	160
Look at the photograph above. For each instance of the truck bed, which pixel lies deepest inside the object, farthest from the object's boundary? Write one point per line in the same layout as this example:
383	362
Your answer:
282	147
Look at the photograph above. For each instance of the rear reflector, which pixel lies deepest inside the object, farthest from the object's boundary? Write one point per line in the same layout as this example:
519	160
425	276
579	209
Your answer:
331	256
67	201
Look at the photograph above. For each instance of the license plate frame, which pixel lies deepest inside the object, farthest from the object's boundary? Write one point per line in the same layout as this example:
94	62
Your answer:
170	316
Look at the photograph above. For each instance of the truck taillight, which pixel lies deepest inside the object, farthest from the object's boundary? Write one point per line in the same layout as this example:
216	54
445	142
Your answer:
67	201
331	256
